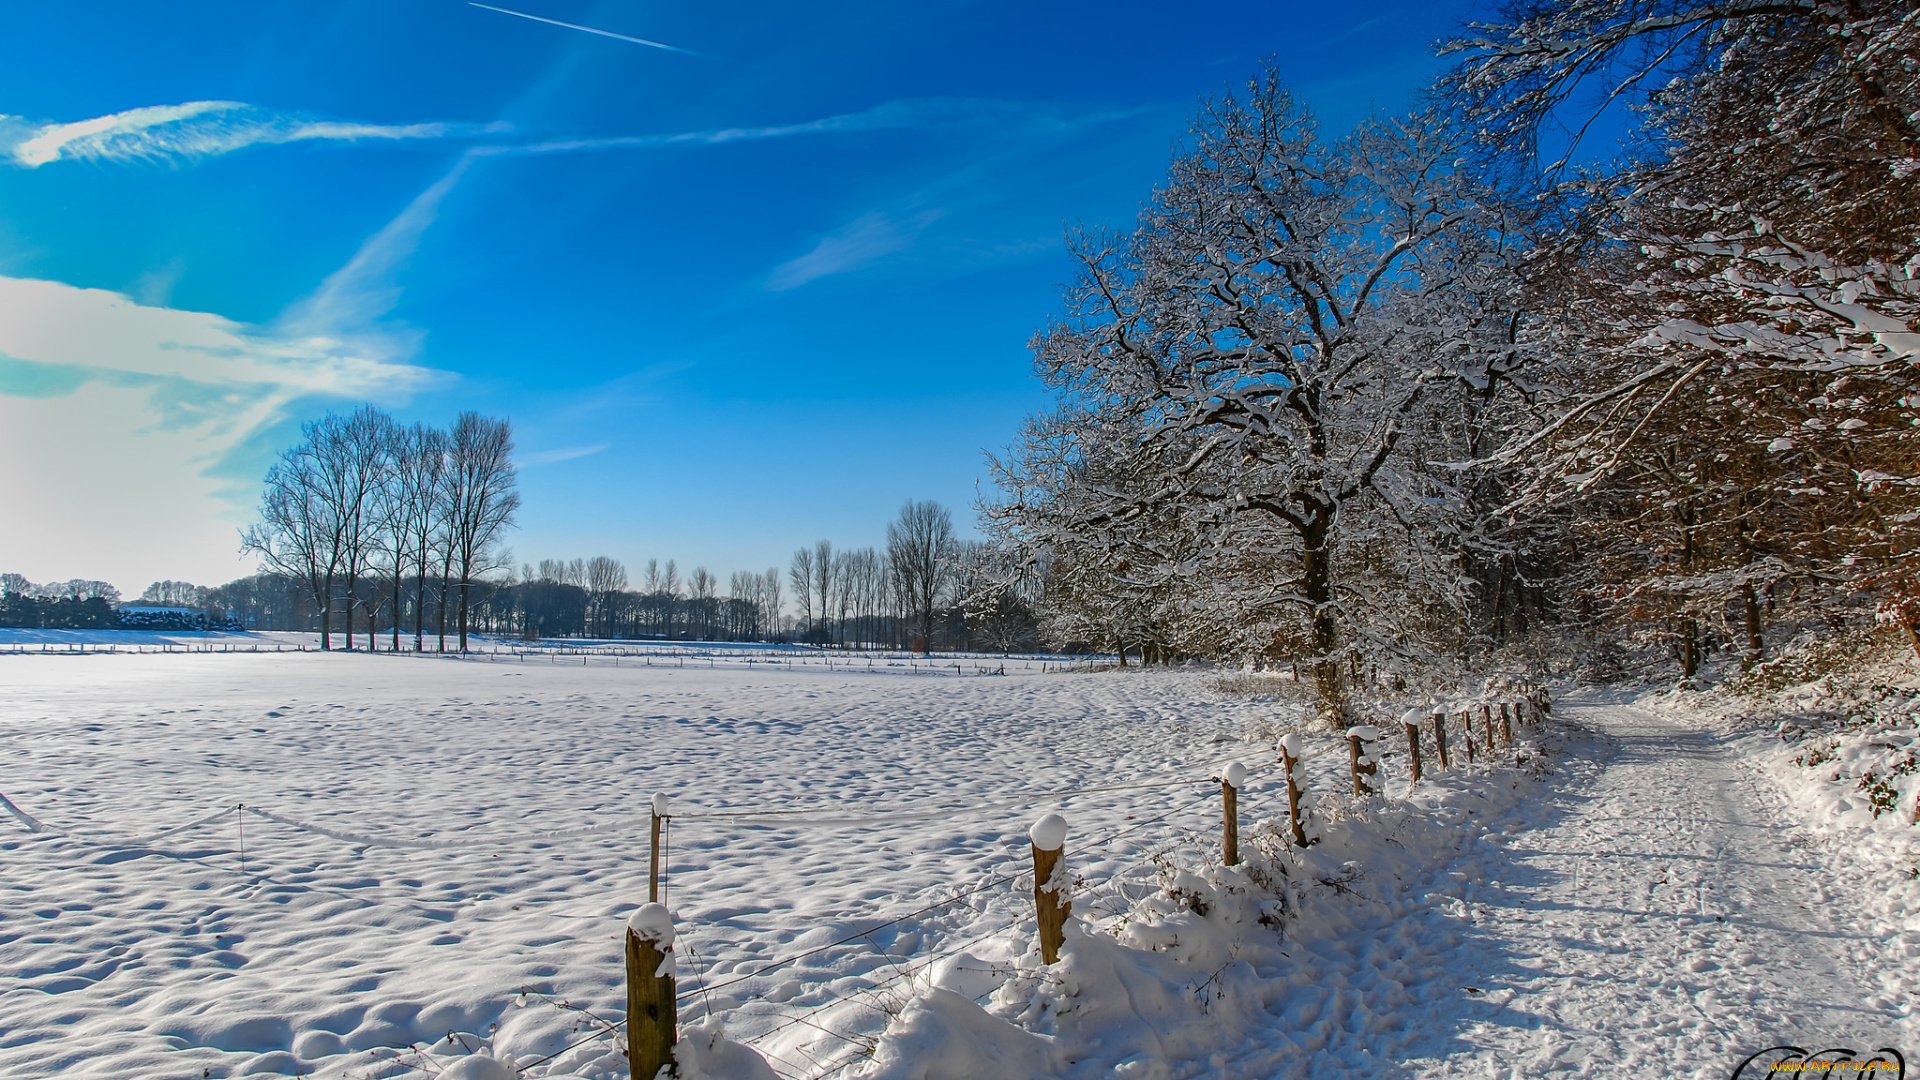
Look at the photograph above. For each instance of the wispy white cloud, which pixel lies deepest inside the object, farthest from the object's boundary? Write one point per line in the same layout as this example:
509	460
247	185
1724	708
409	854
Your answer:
869	237
202	129
549	457
349	304
899	114
196	129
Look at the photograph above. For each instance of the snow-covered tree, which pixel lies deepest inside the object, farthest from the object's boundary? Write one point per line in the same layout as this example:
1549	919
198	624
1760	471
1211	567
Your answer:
1261	387
1738	303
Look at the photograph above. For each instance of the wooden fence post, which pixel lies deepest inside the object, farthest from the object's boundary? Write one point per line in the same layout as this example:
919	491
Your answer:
1486	722
1411	722
1440	737
1051	906
653	855
1296	785
1506	724
1360	758
652	1020
1466	731
1230	785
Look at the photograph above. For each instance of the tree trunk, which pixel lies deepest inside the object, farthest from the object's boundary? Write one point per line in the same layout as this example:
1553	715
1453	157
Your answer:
420	608
1756	640
1497	621
1316	581
1689	647
351	582
396	606
464	586
326	614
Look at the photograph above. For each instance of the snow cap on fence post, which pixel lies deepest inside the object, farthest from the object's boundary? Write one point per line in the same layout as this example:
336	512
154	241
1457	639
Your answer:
653	1020
1411	722
651	922
1232	779
1050	903
1049	833
660	804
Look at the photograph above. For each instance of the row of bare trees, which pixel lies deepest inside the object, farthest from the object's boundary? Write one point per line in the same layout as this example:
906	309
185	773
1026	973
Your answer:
362	498
898	595
1373	403
592	597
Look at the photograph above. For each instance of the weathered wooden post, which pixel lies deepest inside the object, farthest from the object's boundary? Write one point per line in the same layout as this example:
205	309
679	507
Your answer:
1440	737
660	805
1230	785
652	1020
1050	903
1466	731
1364	765
1506	723
1486	722
1411	722
1296	787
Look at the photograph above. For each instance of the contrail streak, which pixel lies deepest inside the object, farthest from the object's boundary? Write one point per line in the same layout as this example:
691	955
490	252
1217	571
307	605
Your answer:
591	30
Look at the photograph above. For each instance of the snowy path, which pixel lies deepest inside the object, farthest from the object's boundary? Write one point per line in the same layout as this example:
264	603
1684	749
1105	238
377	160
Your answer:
1664	919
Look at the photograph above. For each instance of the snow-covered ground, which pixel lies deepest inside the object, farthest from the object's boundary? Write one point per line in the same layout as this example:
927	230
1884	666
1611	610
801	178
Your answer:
426	838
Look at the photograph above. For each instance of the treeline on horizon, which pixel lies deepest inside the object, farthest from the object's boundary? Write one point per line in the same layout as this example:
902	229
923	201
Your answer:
404	529
865	605
370	529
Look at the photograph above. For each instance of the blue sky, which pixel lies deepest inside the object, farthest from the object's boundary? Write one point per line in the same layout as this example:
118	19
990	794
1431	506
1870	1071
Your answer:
733	302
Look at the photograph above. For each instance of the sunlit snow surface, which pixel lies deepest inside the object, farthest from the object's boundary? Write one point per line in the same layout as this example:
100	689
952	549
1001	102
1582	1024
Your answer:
124	958
429	837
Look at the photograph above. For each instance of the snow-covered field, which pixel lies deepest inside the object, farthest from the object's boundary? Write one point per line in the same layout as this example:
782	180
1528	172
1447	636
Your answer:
437	854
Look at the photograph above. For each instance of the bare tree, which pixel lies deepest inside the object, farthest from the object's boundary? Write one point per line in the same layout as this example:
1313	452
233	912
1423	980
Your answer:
669	597
605	579
920	548
823	571
702	587
422	476
481	499
400	504
800	575
352	452
298	533
770	592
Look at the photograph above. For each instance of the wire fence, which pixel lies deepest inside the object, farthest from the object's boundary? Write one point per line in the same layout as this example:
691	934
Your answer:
870	994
